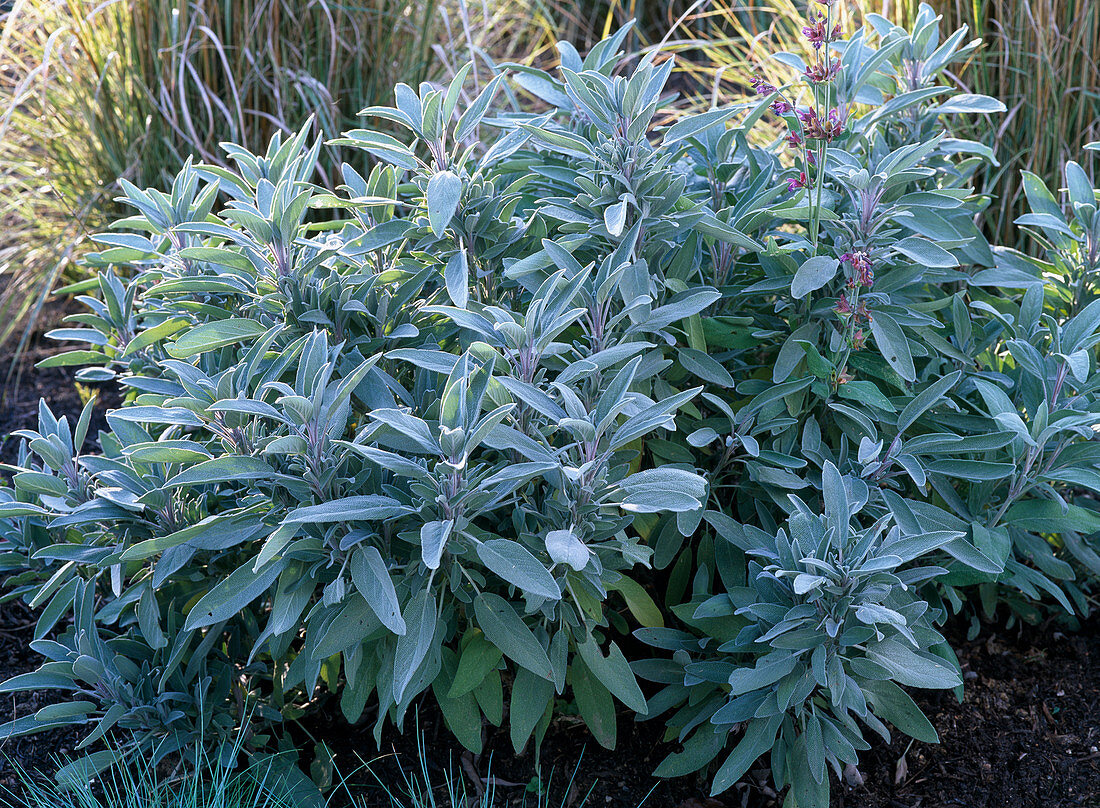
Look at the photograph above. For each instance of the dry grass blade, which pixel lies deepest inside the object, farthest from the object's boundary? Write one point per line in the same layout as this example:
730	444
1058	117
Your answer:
98	90
1041	58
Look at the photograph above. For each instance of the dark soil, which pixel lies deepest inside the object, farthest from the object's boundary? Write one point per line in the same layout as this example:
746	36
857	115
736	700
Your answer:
34	753
1026	734
21	389
20	401
24	385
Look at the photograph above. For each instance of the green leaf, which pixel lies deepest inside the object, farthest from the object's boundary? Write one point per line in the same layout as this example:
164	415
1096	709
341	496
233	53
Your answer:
217	334
217	256
814	273
1081	327
456	276
64	711
36	482
614	218
461	713
911	668
443	194
515	564
531	696
372	579
382	146
758	738
691	125
1046	516
286	782
771	395
433	539
893	344
908	548
179	416
1083	477
149	619
383	235
504	629
926	399
703	366
615	674
925	253
973	470
564	142
791	353
817	364
69	358
1080	187
663	489
168	451
15	509
564	547
470	119
38	680
699	750
414	644
479	658
893	704
711	225
970	104
355	621
866	393
766	672
349	509
638	601
232	594
85	769
594	703
815	748
154	334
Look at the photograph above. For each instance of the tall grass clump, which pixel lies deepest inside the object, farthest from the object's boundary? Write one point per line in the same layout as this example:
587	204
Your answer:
421	787
74	119
136	781
131	787
585	22
94	92
1041	57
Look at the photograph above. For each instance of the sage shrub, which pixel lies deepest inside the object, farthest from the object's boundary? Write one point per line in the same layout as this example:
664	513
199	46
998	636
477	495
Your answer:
572	402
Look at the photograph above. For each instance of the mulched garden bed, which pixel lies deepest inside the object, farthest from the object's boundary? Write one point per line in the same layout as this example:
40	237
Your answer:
1026	734
34	753
24	386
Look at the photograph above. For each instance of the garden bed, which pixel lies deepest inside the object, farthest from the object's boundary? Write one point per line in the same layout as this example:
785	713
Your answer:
1028	728
1027	732
29	385
594	414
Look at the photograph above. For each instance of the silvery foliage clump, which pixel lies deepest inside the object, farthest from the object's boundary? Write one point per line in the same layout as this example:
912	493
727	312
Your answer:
827	624
379	441
888	366
545	377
